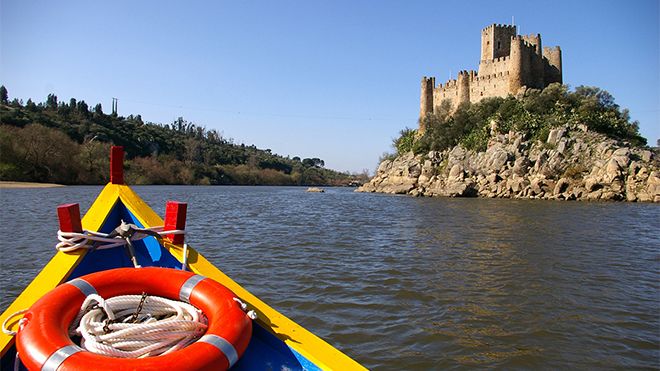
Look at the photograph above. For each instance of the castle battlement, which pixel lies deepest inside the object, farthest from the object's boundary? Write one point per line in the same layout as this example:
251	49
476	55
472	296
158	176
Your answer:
496	60
500	26
508	63
491	76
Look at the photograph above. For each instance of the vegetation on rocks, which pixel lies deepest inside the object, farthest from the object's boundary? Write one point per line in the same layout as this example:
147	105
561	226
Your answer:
68	143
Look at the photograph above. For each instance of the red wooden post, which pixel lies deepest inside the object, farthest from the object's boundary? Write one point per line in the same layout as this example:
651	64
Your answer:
117	165
69	215
175	218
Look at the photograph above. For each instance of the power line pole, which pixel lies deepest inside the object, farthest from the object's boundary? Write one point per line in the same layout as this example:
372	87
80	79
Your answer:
114	106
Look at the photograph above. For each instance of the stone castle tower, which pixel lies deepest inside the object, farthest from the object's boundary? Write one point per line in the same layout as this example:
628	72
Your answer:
508	62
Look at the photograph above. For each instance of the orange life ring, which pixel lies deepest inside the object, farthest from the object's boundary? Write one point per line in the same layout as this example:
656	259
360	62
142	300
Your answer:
43	342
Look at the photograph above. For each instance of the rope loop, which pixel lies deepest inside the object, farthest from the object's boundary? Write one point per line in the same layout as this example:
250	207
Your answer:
120	236
20	322
136	326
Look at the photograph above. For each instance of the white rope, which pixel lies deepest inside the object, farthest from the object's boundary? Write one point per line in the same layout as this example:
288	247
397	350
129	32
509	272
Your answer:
70	241
5	329
136	326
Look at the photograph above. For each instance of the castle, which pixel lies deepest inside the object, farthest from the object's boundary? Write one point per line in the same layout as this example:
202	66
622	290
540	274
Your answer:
508	62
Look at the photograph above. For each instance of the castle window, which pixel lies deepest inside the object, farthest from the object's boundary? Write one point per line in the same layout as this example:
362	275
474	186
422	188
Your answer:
499	44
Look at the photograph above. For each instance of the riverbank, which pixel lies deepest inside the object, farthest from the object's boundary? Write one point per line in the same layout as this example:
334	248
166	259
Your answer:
8	184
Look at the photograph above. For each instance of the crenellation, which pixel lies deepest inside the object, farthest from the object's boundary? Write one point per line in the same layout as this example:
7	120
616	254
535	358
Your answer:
508	62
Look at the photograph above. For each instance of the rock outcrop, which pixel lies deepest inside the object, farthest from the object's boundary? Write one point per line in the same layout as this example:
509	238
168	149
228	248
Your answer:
572	164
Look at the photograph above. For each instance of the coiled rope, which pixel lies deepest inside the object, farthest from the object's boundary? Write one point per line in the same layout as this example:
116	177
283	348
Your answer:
70	241
123	235
136	326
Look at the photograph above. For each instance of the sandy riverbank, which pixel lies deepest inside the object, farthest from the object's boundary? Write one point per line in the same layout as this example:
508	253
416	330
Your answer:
5	184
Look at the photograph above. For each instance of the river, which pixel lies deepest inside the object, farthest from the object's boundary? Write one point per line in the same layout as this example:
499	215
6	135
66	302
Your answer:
411	283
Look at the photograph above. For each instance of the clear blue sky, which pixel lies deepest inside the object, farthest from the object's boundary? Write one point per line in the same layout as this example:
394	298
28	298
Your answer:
330	79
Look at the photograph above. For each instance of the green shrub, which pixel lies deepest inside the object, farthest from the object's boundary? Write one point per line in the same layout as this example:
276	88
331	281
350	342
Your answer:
477	140
533	115
404	143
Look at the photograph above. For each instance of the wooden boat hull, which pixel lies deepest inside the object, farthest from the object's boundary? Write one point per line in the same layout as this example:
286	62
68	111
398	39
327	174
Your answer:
276	343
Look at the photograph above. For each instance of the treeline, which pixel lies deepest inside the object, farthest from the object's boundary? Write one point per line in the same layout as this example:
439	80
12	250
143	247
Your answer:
68	143
534	114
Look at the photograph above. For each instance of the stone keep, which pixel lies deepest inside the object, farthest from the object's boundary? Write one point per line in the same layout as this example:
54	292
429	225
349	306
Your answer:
508	62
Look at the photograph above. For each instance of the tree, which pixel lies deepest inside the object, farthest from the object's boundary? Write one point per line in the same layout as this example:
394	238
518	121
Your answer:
4	95
82	107
603	97
98	109
51	101
30	105
308	162
93	161
313	162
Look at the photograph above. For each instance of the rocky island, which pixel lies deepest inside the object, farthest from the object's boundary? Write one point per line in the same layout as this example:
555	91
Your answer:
513	130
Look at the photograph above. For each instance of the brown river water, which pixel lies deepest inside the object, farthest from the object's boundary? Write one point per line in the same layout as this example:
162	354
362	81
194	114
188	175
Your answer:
411	283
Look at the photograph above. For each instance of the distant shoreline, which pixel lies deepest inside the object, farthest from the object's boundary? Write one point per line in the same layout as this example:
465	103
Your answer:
10	184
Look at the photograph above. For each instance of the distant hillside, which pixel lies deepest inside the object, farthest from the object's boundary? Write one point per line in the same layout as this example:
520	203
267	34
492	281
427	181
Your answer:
67	142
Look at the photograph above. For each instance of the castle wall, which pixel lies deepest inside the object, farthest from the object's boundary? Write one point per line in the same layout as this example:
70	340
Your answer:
494	67
470	87
447	91
495	85
508	62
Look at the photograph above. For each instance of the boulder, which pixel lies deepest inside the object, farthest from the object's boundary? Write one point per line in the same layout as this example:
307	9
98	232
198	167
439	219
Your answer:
555	135
460	188
536	183
456	172
561	186
497	159
493	178
622	157
516	184
414	170
653	185
591	184
521	166
384	166
646	155
397	188
634	168
561	146
612	170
